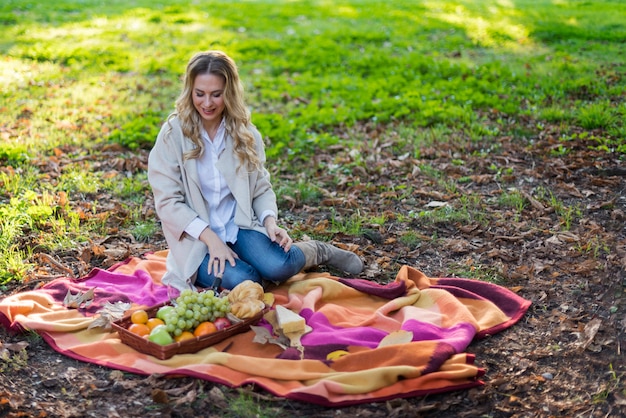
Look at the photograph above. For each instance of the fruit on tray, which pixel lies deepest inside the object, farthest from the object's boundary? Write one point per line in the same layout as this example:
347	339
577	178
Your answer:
192	308
139	316
194	314
181	319
222	323
159	335
139	329
205	328
164	311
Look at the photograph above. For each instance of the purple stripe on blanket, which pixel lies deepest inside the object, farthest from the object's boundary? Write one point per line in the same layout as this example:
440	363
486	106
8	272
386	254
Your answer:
110	287
458	337
442	353
325	333
506	300
388	291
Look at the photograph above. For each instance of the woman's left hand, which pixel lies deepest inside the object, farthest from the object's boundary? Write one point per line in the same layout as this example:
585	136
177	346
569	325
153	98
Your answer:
277	234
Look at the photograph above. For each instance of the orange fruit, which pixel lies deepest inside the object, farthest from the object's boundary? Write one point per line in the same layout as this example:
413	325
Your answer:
153	322
186	335
140	329
205	328
139	317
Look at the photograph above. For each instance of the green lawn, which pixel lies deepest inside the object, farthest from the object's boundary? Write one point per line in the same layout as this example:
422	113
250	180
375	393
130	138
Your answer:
78	75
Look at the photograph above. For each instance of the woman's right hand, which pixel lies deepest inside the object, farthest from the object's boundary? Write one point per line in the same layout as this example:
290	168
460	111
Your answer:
219	252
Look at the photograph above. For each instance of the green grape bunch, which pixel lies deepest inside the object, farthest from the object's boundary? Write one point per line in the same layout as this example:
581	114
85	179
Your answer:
191	308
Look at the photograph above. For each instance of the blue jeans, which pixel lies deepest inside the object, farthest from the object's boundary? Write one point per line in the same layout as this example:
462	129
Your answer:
259	259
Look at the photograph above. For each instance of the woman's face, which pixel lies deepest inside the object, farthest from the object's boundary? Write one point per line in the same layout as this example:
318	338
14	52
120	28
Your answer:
208	98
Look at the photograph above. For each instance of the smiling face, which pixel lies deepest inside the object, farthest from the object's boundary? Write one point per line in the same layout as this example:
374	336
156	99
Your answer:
208	99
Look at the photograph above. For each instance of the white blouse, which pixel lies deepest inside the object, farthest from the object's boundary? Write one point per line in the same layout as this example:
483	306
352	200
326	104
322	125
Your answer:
216	193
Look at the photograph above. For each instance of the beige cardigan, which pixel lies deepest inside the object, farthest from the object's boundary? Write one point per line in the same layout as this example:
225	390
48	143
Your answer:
178	198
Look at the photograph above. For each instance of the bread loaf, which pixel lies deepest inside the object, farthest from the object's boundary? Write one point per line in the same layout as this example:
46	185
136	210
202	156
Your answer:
246	290
245	309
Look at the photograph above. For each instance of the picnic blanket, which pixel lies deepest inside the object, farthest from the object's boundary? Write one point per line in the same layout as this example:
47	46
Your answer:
344	361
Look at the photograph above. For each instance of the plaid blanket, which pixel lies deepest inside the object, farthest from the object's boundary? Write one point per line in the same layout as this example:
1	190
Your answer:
344	360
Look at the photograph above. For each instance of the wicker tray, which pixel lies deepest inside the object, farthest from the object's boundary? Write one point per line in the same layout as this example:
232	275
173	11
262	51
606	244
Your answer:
164	352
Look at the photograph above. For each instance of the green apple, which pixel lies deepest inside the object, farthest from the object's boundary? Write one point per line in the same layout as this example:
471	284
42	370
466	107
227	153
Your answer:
159	335
164	311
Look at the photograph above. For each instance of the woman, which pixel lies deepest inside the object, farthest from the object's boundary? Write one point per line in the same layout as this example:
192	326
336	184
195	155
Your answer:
213	194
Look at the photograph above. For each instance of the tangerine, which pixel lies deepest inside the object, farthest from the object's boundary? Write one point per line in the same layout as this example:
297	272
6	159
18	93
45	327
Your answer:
140	329
185	335
205	328
139	317
153	322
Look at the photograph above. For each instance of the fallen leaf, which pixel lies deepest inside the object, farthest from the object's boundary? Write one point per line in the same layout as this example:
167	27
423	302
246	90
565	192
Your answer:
80	298
534	202
109	313
554	240
436	204
263	336
567	236
18	346
159	396
590	331
178	391
216	398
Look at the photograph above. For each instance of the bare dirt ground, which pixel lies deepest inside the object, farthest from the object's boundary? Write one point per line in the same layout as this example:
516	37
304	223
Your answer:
565	251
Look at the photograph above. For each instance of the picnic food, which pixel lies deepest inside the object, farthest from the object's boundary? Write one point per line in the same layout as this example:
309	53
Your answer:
246	299
153	322
159	335
196	314
139	317
140	329
164	311
221	323
205	328
184	336
247	308
192	308
289	321
246	290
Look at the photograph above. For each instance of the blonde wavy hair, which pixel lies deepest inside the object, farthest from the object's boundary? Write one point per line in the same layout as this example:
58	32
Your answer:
236	114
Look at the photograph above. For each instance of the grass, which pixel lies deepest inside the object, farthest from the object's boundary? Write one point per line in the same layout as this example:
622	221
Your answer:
246	406
81	75
426	64
411	239
513	199
12	363
614	384
472	269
